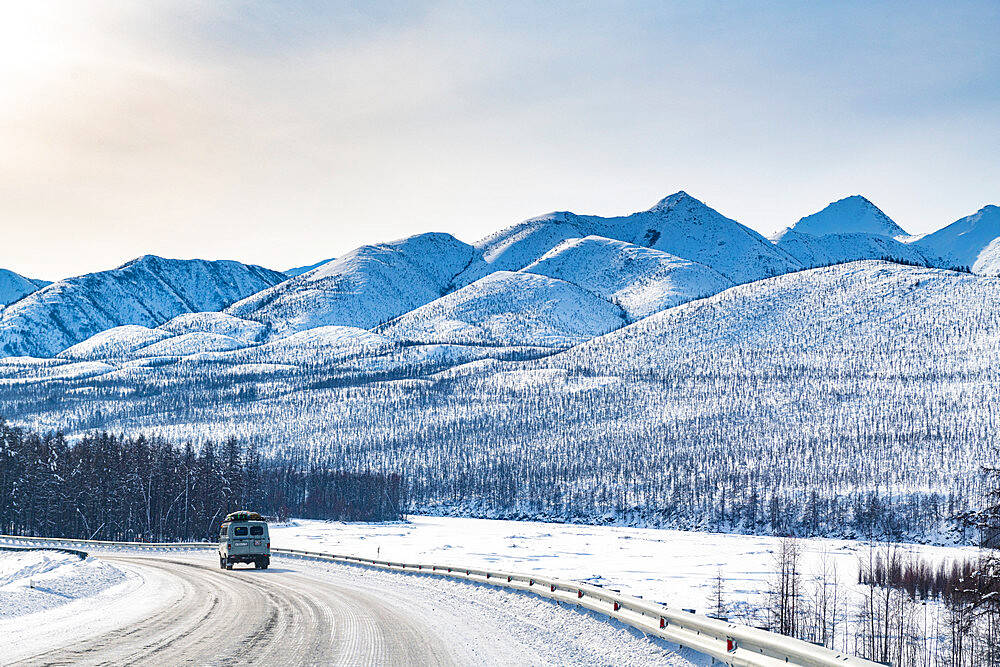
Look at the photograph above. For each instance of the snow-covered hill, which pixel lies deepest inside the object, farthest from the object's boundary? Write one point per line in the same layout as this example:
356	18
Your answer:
850	215
973	241
813	251
364	288
14	286
147	291
642	281
506	308
679	225
299	270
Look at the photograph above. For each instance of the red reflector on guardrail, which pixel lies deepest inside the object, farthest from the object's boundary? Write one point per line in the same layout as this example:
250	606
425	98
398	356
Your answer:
730	644
552	589
617	606
579	594
663	622
531	582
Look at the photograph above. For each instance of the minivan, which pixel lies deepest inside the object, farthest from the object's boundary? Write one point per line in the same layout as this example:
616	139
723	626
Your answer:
244	540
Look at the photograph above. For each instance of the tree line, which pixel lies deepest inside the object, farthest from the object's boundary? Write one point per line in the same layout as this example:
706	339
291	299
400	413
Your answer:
112	487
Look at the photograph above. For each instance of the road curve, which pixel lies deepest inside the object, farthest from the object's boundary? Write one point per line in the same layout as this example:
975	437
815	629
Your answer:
246	616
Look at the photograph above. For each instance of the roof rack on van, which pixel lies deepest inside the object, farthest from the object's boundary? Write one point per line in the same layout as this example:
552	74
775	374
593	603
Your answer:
243	515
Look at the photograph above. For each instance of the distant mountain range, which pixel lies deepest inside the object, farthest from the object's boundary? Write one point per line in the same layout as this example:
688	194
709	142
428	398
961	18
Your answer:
147	291
551	281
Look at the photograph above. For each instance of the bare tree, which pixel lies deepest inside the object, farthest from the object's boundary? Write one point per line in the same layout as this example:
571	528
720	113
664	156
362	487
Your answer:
716	598
784	606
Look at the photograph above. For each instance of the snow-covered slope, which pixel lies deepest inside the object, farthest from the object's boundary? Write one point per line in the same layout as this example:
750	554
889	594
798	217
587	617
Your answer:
216	323
114	343
851	215
13	286
362	289
640	280
867	304
828	249
973	241
510	309
679	224
299	270
147	291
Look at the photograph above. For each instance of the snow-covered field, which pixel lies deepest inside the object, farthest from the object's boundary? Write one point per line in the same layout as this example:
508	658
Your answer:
674	567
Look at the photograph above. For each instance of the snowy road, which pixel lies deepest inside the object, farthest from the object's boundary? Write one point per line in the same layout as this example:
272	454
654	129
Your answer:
304	613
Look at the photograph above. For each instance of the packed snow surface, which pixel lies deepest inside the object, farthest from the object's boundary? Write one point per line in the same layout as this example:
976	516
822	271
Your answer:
538	632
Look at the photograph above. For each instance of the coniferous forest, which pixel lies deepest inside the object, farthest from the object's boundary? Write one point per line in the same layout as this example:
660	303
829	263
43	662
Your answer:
112	487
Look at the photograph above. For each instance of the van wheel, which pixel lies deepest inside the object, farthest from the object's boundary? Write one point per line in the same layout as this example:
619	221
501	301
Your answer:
259	564
222	563
267	562
229	565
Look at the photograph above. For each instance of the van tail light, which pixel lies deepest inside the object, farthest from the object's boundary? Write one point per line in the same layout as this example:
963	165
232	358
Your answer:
269	544
229	545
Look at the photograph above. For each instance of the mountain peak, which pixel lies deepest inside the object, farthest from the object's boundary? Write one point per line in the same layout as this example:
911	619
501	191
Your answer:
849	215
671	201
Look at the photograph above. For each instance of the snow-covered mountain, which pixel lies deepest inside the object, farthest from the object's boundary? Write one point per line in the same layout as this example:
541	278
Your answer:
973	241
849	230
642	281
679	224
364	288
507	308
147	291
813	251
299	270
14	286
850	215
791	404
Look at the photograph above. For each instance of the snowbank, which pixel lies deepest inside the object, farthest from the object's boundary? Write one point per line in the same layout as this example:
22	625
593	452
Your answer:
32	581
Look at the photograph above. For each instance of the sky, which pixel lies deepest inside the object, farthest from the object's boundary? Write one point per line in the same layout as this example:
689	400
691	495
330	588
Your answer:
282	133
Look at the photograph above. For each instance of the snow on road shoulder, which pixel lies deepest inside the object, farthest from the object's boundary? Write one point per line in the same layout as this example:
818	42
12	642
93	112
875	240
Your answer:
32	581
71	598
499	626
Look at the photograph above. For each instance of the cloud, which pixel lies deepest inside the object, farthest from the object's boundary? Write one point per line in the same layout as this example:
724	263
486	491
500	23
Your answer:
284	132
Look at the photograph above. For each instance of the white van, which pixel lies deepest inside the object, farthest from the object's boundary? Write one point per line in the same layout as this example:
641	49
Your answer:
243	538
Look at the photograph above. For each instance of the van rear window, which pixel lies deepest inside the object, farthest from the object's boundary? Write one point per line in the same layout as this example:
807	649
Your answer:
256	530
240	531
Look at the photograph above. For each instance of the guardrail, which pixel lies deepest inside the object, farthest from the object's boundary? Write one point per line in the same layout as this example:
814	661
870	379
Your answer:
73	552
725	642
